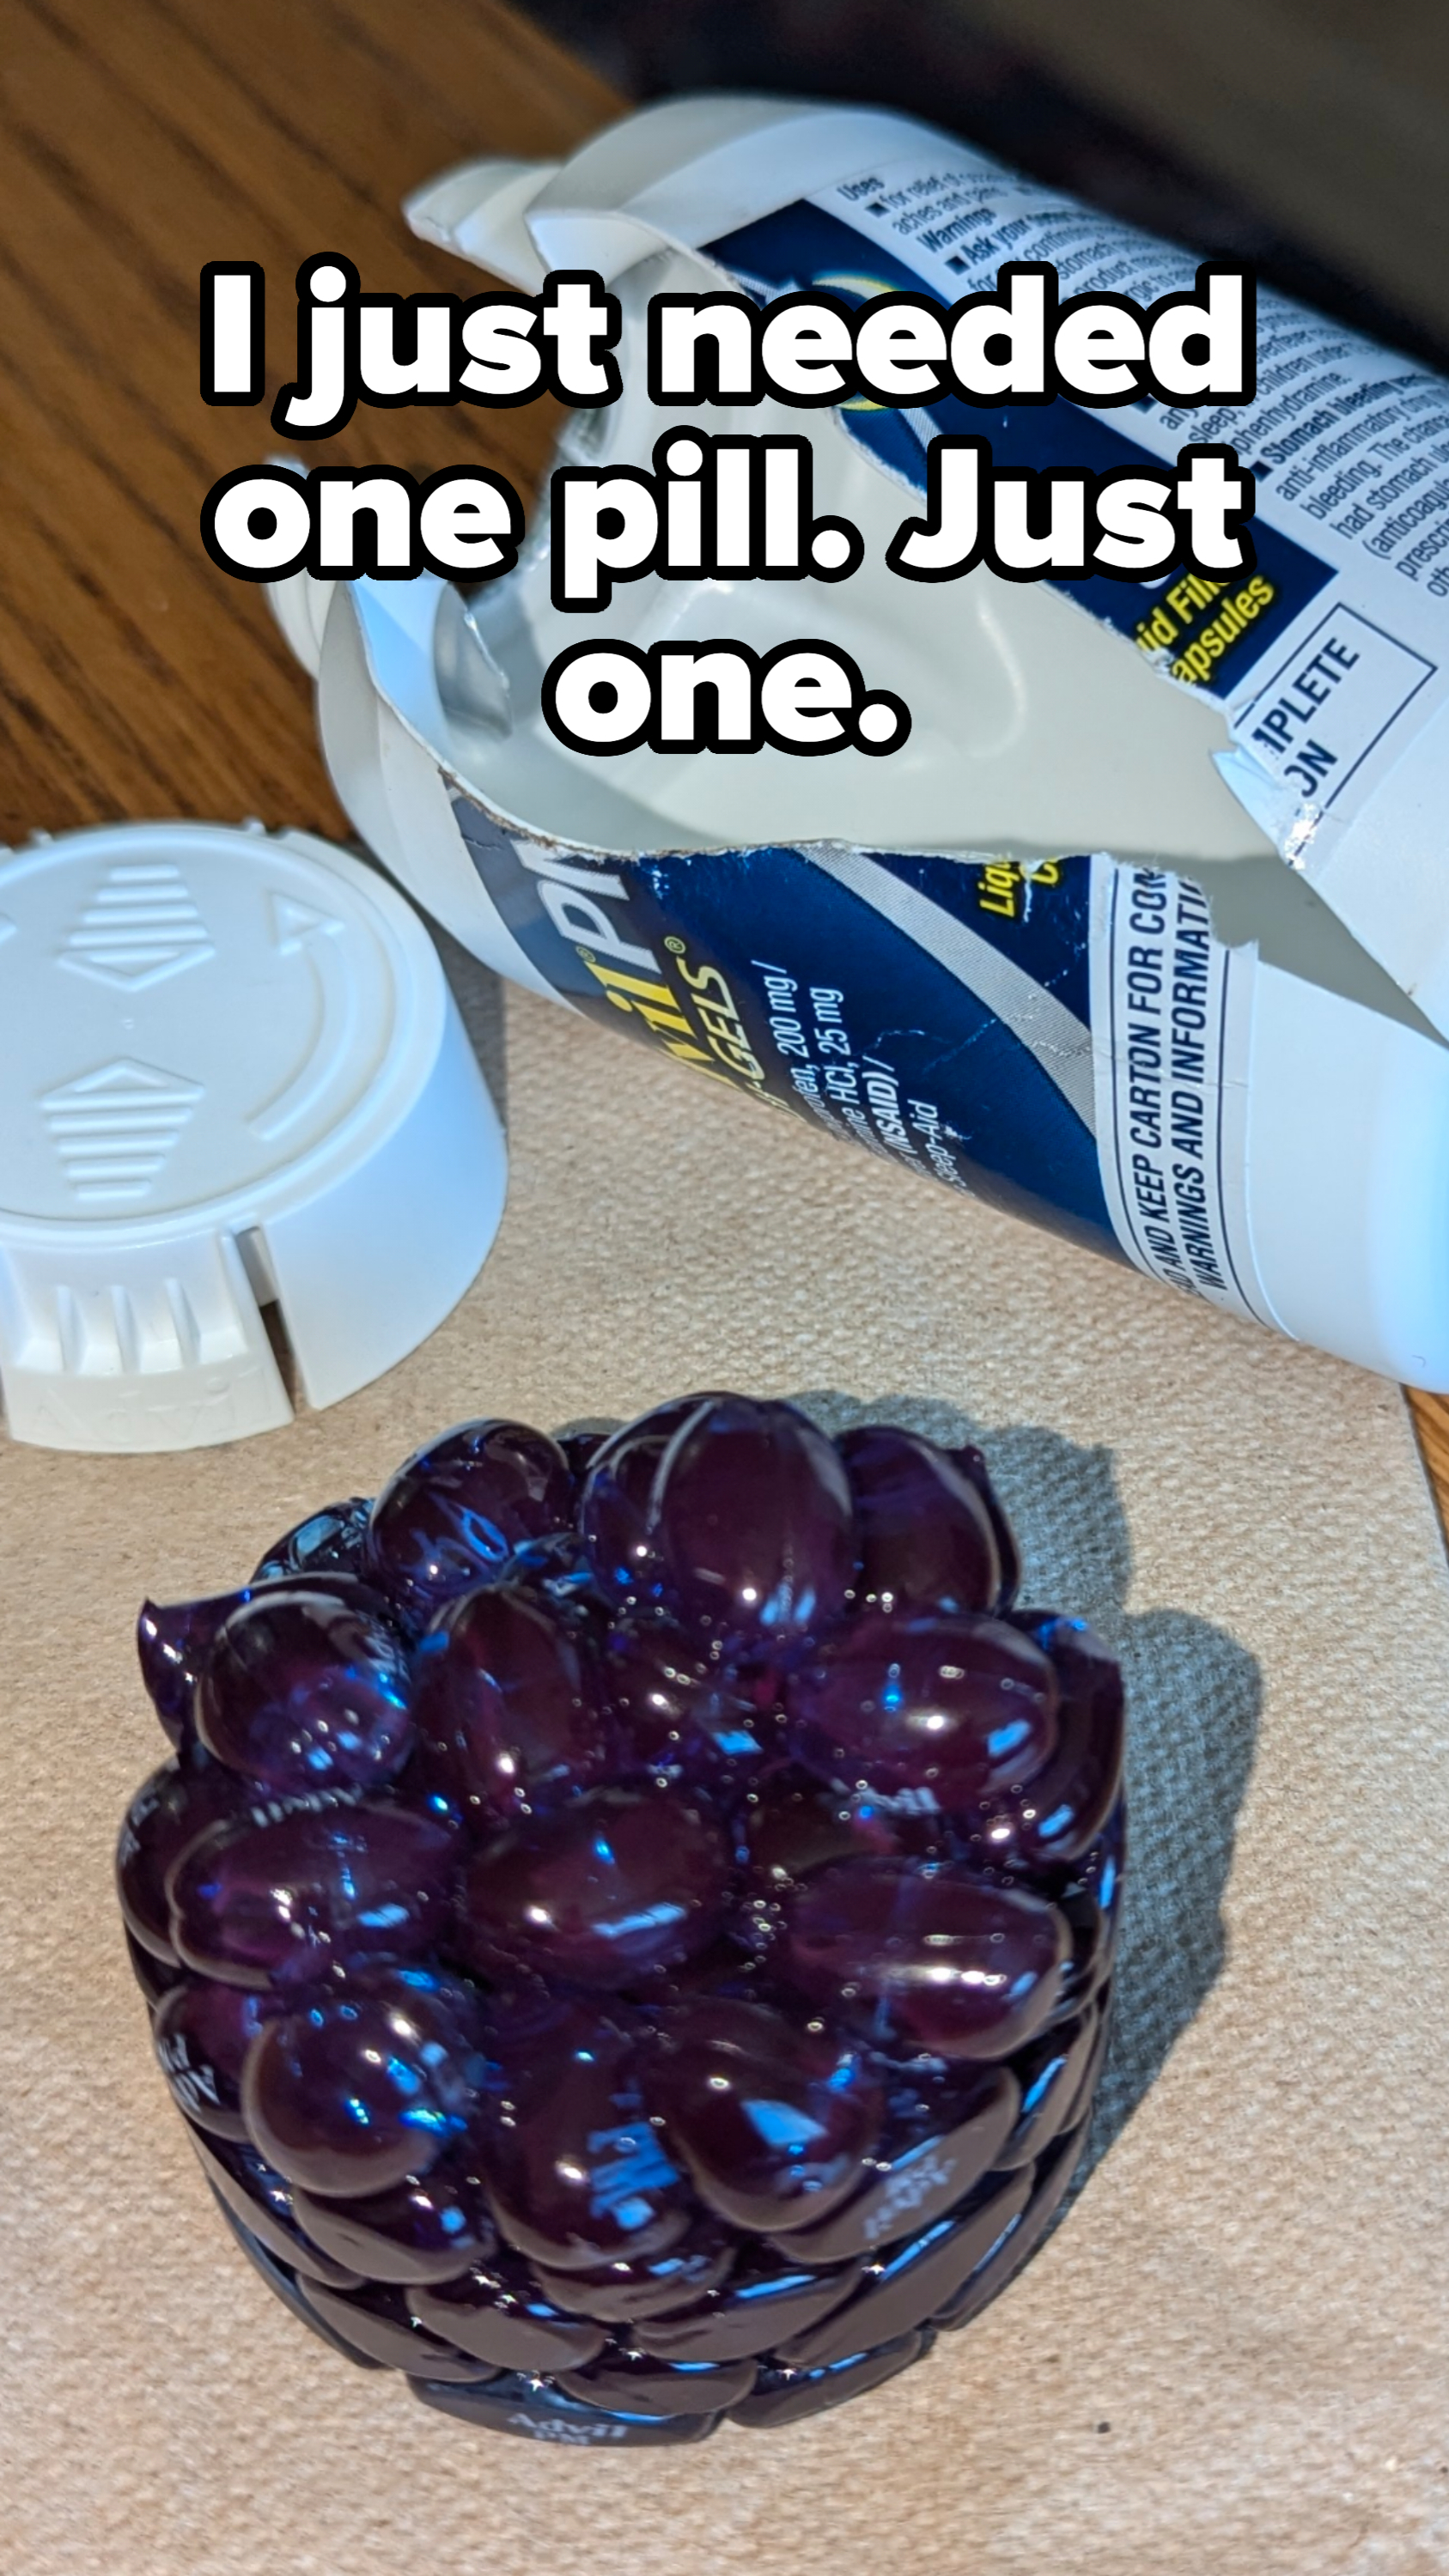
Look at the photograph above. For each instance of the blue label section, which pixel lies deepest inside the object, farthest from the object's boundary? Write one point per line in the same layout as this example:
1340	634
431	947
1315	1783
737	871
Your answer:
1231	623
935	1012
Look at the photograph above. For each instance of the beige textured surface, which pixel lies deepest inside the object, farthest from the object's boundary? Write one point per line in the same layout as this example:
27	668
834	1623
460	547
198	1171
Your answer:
1234	2358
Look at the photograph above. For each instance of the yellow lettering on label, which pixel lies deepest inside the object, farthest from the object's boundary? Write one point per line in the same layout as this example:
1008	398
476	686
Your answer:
655	1005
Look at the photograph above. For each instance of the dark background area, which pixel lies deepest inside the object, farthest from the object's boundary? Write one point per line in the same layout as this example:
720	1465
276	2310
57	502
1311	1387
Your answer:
1310	137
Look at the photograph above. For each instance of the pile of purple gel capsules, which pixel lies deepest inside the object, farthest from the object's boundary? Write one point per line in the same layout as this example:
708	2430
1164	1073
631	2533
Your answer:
628	1921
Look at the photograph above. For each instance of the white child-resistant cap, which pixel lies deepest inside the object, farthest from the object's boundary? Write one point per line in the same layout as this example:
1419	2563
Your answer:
239	1115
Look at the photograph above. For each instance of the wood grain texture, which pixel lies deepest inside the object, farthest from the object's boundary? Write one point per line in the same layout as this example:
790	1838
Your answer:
1431	1421
135	678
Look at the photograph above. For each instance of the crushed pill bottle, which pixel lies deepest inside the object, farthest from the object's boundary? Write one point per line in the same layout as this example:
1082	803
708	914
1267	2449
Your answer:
1144	932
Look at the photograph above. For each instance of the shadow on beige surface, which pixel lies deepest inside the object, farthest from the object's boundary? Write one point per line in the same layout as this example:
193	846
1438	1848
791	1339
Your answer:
1193	1697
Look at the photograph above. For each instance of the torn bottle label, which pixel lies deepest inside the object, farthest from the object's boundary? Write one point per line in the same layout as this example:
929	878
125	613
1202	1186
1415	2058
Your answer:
1054	1044
1204	630
1259	1118
1329	659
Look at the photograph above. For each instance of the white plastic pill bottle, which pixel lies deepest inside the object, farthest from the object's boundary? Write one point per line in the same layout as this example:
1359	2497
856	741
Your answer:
1144	932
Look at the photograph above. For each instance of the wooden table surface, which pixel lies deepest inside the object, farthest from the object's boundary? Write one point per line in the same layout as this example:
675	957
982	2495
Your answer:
135	143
